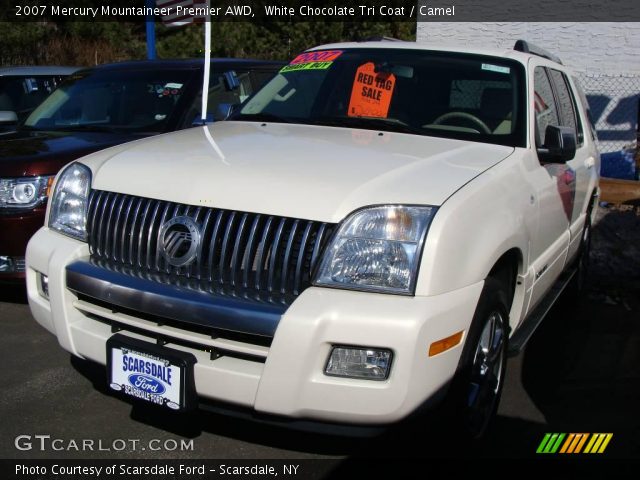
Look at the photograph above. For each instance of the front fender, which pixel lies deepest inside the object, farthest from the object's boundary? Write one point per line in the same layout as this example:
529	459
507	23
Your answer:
479	223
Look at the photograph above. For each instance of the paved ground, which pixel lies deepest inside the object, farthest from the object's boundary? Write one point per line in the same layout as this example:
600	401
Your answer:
580	373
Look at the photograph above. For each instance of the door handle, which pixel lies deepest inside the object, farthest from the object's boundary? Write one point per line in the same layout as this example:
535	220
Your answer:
589	162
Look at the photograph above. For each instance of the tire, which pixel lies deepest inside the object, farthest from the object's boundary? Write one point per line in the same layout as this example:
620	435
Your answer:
478	384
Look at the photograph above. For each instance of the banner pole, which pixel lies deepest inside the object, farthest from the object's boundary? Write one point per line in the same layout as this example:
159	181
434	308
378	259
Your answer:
207	64
151	32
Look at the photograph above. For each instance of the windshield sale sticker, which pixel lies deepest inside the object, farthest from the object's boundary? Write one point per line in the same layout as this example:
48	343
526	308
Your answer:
320	60
371	93
495	68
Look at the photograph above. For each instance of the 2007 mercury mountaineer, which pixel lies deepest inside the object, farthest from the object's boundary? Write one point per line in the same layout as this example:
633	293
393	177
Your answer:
377	225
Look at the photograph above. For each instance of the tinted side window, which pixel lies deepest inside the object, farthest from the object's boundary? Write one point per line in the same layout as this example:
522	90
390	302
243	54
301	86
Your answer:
544	104
568	117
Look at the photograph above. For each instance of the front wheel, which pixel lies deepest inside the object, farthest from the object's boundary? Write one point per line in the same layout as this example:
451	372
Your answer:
479	381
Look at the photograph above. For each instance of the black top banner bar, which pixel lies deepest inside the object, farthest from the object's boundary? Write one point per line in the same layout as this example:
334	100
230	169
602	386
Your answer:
324	10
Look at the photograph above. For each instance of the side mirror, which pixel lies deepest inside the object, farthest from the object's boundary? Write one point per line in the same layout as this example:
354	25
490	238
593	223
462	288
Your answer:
7	116
559	145
231	80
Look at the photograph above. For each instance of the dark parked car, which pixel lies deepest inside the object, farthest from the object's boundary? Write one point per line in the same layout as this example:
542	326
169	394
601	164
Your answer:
23	88
99	108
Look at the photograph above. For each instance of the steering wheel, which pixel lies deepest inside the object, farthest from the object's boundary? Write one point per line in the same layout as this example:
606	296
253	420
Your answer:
464	115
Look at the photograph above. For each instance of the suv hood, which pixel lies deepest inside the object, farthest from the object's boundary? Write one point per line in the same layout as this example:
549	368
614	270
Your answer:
311	172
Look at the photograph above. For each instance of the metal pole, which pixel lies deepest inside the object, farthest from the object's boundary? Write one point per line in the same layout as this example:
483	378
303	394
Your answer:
151	31
207	64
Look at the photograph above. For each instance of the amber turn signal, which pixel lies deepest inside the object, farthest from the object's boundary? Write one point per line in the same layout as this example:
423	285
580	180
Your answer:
445	344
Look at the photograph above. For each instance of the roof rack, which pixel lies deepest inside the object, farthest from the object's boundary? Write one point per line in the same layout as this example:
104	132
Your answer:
379	38
528	47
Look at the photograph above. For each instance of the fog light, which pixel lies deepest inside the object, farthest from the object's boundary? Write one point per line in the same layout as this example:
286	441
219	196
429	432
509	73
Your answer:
44	285
359	362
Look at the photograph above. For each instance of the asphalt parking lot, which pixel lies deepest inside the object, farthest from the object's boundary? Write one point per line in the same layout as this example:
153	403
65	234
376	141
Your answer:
579	373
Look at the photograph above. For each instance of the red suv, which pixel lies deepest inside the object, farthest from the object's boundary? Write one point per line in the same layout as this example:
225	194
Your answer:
99	108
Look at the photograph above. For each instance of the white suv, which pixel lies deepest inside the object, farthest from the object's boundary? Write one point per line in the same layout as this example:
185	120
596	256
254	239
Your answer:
375	227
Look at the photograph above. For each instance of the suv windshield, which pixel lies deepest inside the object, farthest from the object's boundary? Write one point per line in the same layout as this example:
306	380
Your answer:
460	96
21	94
128	101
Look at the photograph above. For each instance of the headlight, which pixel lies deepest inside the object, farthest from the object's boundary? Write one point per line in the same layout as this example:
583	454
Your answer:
377	249
24	193
68	213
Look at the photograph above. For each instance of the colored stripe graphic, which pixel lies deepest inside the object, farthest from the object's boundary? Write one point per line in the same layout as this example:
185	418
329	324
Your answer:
581	442
550	443
567	443
574	443
543	443
598	442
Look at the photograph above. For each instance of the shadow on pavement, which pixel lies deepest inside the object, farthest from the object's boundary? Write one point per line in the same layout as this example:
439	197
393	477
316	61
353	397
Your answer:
422	436
193	424
581	368
13	293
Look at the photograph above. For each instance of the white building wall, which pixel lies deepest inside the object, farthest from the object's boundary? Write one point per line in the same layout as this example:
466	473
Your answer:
599	47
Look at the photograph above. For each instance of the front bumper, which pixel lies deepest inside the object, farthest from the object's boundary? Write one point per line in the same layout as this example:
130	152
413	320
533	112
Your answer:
16	230
286	377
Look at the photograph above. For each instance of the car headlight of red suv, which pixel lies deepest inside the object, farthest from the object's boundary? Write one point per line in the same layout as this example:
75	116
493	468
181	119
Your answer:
24	193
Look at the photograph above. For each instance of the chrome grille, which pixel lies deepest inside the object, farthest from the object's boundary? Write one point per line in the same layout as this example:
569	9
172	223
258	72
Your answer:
264	257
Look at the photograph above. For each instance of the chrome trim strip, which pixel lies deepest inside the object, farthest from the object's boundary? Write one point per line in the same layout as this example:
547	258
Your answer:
150	236
107	235
198	261
94	206
143	219
274	255
125	230
262	246
250	252
213	242
318	244
162	219
287	255
100	245
300	261
225	244
238	245
199	257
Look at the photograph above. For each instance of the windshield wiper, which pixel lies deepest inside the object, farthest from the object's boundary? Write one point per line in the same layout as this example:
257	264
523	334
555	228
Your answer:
28	128
263	117
370	123
85	128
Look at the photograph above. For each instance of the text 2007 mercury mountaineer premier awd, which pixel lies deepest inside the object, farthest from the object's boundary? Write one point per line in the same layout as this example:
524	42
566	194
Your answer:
377	225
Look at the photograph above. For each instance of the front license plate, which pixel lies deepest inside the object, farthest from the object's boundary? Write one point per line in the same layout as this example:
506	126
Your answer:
151	373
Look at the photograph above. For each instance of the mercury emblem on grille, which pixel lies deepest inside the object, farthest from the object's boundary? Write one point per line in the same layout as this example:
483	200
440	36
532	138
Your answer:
178	241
